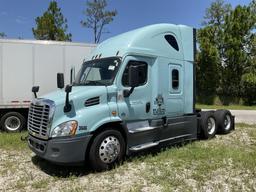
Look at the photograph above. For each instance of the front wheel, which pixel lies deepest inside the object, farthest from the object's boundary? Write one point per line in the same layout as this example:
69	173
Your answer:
12	122
107	149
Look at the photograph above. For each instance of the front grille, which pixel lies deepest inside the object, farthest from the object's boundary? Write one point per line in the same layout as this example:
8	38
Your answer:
92	101
39	119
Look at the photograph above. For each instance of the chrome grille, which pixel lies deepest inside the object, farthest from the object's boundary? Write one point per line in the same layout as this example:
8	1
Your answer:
39	118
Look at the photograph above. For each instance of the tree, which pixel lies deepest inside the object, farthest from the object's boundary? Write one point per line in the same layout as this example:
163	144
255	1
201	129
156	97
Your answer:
52	25
97	17
2	35
210	55
232	33
237	42
207	61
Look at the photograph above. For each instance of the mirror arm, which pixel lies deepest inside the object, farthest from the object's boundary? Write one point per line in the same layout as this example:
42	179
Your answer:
67	106
127	93
35	95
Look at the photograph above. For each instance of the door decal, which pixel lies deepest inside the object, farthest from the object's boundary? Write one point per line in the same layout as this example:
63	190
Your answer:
159	101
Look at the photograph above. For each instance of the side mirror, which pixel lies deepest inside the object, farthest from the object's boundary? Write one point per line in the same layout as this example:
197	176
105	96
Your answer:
133	75
35	89
60	80
133	79
67	107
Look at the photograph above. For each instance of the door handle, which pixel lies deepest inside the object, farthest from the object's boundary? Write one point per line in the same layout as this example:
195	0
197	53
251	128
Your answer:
147	107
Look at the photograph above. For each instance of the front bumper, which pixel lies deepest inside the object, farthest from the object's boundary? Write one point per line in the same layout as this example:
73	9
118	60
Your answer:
60	150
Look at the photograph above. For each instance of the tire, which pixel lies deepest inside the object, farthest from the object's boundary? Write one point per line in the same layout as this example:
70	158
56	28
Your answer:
224	121
107	149
208	125
12	122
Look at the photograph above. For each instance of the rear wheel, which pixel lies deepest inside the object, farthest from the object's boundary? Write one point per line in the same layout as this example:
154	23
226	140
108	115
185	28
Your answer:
107	149
224	121
12	122
208	125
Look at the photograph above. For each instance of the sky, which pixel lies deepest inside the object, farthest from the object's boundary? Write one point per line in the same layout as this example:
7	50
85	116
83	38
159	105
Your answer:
17	17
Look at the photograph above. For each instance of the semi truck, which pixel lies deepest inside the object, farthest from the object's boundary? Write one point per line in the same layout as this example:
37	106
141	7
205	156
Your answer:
24	63
136	91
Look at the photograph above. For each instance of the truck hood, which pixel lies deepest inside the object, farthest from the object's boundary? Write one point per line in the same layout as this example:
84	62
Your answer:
83	92
78	97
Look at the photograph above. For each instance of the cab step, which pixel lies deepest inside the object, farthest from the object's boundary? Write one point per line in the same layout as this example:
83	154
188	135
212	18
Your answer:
143	146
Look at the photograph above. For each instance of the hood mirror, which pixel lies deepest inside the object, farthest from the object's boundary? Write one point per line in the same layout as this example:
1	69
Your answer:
35	89
67	107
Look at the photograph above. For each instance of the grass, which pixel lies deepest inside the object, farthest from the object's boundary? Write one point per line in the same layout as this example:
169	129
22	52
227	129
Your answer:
13	140
40	184
224	163
202	160
231	107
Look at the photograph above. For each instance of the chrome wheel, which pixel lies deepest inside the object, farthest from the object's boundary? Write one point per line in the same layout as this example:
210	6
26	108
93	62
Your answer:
227	122
12	123
211	125
109	149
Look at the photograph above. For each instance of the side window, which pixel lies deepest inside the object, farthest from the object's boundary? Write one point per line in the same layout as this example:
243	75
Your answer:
175	79
143	72
172	41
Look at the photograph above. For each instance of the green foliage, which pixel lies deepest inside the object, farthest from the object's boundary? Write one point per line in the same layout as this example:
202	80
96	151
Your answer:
249	88
97	17
2	35
13	141
232	35
215	19
238	37
207	67
52	25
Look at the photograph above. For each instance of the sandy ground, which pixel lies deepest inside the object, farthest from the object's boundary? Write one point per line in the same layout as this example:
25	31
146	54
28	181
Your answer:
23	171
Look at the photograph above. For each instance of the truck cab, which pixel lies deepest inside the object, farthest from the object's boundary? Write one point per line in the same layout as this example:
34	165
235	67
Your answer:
136	91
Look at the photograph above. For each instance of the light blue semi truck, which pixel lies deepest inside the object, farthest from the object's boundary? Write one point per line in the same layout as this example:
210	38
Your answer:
136	91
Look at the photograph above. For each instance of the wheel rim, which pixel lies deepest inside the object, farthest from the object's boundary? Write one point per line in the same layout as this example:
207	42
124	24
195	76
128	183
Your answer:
227	122
109	149
12	123
211	125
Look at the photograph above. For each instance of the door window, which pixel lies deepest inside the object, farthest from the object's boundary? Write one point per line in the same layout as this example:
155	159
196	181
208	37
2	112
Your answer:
143	72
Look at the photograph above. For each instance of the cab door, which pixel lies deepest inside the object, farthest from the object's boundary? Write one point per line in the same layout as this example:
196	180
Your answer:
136	106
135	110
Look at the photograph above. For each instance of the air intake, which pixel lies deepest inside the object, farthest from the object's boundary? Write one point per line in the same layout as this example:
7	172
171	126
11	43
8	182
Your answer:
92	101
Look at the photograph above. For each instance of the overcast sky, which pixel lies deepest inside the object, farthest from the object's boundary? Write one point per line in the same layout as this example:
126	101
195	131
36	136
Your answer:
17	17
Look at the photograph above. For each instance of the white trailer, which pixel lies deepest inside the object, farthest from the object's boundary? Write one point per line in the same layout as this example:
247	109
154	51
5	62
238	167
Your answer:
26	63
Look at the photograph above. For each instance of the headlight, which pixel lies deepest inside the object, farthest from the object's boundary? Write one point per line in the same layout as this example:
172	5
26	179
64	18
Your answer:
65	129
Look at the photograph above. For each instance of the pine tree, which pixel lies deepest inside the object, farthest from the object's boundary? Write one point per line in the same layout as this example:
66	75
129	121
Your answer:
97	17
52	25
2	35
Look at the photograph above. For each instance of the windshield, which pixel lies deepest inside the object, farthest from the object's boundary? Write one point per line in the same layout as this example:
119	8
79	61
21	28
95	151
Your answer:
98	72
